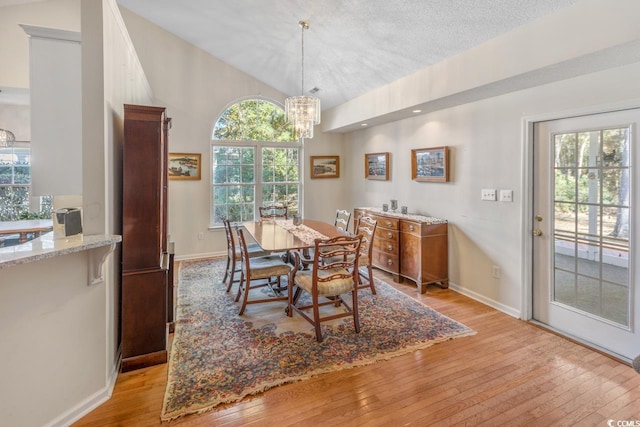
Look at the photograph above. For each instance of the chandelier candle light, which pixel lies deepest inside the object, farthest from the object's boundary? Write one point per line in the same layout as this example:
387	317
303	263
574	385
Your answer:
303	112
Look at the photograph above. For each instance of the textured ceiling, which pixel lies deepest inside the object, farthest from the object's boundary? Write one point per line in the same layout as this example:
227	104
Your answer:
351	47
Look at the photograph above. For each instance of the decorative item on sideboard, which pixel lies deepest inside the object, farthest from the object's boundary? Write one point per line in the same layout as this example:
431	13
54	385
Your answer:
394	205
404	210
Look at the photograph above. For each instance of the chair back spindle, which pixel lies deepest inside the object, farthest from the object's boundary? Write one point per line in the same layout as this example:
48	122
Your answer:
273	211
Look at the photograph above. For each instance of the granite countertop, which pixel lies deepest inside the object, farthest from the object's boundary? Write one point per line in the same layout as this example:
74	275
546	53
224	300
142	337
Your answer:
409	216
46	246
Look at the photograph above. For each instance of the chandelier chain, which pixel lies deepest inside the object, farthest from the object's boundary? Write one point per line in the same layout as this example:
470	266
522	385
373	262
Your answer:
302	111
304	25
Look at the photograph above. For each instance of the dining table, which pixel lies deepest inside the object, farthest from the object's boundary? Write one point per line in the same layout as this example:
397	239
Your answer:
24	228
282	235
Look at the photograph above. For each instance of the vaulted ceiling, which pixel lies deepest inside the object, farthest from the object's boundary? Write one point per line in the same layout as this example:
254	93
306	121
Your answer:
351	47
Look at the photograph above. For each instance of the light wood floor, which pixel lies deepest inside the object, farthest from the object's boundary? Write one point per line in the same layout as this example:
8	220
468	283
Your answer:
510	373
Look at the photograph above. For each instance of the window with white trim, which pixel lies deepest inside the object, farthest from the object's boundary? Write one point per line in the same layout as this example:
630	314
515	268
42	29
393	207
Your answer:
16	202
255	161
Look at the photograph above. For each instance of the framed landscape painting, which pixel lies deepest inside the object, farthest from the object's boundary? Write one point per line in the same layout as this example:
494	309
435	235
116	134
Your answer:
376	166
325	166
185	166
430	164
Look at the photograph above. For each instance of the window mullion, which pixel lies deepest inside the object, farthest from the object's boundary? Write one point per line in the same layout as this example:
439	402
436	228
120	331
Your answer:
257	188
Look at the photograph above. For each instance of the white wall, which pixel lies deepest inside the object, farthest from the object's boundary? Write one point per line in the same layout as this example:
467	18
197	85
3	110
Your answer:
63	334
195	88
474	103
17	119
52	338
14	43
487	151
112	76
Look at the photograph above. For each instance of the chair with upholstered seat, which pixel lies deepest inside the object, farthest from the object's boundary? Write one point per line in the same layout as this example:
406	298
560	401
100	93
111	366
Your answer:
342	219
272	212
334	273
258	272
341	222
366	227
234	255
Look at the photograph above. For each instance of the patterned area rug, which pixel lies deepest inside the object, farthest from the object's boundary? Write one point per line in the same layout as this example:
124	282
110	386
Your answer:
220	357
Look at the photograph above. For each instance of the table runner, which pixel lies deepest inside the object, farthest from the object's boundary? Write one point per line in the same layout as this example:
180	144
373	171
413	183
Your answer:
302	232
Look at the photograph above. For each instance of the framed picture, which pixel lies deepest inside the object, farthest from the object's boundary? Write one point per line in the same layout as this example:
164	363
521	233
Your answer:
185	166
376	166
325	166
430	164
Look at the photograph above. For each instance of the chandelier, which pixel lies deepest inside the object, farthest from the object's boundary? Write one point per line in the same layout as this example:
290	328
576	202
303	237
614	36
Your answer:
303	112
7	138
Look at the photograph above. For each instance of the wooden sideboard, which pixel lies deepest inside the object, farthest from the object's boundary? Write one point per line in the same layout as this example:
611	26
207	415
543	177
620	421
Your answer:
410	246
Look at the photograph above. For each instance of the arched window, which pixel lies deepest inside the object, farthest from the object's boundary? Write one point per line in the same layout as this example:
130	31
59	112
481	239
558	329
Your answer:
255	161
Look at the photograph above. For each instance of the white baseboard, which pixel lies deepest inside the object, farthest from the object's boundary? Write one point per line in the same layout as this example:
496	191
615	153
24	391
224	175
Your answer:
487	301
90	403
191	257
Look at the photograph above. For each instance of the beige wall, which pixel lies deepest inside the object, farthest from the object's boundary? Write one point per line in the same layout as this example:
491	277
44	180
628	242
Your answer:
14	43
487	150
195	88
476	104
60	329
112	76
17	119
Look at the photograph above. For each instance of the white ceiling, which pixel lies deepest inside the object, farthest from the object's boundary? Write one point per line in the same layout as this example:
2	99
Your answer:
351	47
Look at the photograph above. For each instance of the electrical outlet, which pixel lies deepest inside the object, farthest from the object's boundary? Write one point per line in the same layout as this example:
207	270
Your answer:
488	194
201	235
496	272
506	195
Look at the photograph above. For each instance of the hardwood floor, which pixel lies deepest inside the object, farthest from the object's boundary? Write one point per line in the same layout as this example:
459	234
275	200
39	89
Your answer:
510	373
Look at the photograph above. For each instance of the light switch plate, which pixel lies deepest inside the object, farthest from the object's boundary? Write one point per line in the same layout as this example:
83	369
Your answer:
506	195
488	194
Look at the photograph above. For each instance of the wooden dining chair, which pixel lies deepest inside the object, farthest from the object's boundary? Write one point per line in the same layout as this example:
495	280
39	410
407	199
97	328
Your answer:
273	211
341	222
366	227
342	219
327	281
234	255
258	272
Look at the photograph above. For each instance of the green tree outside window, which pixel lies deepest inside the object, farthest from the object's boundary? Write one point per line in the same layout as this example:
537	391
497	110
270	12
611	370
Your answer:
255	161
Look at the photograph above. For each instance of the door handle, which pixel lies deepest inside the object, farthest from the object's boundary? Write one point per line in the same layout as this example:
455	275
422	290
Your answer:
537	232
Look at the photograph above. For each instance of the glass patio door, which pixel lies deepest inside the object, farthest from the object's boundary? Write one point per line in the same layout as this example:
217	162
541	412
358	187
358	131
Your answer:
585	200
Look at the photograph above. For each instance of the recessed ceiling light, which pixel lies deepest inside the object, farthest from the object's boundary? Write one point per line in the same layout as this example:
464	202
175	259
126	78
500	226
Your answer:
363	124
417	111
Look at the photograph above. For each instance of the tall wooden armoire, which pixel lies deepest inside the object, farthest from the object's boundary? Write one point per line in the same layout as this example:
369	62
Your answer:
146	265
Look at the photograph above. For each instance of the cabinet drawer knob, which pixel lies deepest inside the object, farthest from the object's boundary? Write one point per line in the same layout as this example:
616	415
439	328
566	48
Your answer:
390	247
389	235
389	262
389	224
411	227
